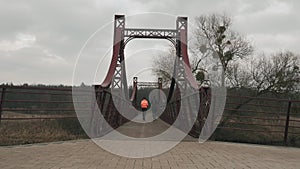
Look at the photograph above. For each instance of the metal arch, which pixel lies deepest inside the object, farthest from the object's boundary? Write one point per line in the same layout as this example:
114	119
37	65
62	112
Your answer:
133	33
127	40
172	40
116	76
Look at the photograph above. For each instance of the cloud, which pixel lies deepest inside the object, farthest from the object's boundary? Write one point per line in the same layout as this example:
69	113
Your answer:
21	41
34	65
41	38
271	43
272	25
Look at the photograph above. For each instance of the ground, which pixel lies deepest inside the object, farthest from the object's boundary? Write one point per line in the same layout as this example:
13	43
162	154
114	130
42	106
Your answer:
85	154
187	154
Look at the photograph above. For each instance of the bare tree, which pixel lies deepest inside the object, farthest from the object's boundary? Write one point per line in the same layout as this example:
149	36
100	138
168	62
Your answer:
163	66
277	73
238	75
280	74
214	34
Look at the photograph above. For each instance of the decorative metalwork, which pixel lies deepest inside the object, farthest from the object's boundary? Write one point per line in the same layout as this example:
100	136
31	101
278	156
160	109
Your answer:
150	33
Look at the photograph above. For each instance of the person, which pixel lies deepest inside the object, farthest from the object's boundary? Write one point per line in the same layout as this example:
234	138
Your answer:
144	106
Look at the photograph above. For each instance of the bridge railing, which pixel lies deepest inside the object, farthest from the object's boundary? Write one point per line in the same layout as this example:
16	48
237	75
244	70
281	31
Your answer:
268	119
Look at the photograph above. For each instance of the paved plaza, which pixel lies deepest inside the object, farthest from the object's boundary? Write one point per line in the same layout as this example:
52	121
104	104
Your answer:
187	154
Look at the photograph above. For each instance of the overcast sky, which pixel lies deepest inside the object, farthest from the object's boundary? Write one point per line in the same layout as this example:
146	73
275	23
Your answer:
41	40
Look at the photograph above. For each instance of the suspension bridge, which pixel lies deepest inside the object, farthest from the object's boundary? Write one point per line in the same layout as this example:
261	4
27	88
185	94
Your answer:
111	109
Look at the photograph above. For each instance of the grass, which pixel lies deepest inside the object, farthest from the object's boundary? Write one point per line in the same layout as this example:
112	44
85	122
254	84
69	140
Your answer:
248	137
15	132
38	131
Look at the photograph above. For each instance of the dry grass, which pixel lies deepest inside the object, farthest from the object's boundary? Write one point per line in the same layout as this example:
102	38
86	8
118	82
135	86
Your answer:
37	131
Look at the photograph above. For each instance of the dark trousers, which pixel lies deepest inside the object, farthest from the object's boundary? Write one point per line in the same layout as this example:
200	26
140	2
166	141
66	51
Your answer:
144	113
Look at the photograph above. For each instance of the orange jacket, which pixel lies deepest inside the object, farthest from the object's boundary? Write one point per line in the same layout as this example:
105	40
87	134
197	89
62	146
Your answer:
144	104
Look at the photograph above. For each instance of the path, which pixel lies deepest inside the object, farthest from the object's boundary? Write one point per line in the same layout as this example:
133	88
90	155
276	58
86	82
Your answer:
187	154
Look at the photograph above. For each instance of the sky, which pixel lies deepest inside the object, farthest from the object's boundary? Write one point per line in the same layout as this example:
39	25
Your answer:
69	41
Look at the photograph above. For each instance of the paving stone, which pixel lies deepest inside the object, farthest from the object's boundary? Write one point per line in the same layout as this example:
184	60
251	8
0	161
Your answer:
85	154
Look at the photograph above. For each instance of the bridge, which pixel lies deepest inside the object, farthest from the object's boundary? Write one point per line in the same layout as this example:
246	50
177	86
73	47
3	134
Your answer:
110	116
113	105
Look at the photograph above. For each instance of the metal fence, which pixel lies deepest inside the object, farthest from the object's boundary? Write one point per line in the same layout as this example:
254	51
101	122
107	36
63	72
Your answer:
279	118
270	116
36	103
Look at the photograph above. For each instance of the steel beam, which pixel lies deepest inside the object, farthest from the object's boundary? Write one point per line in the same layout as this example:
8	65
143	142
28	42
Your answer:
150	33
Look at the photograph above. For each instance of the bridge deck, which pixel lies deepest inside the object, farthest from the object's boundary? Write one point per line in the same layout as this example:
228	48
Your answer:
148	128
187	154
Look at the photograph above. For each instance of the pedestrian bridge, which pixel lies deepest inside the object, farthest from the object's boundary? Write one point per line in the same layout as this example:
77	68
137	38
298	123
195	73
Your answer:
111	118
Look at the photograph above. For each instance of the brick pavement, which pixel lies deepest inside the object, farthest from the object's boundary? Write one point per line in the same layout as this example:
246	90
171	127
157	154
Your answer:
187	154
85	154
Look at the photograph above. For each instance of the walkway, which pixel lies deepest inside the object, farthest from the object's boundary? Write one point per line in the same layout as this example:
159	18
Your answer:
187	154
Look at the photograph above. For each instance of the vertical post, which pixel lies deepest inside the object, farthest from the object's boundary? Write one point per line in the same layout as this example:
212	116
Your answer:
160	104
159	83
134	81
1	101
181	42
119	80
134	89
286	131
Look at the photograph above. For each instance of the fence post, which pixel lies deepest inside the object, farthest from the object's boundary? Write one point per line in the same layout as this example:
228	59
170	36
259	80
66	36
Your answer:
1	101
160	83
287	122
